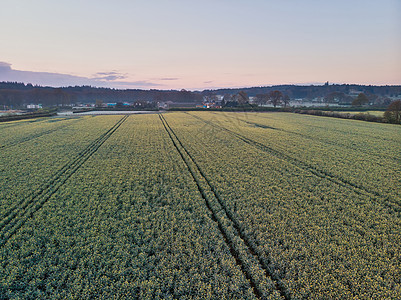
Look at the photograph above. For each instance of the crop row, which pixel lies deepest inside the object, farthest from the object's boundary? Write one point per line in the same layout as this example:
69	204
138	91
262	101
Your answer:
316	170
380	140
312	136
252	264
15	135
29	166
198	206
34	136
352	129
17	123
323	240
130	223
351	166
16	216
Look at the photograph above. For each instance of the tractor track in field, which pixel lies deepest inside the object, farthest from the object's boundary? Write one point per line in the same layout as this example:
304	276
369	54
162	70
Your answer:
242	247
321	140
360	190
15	217
38	135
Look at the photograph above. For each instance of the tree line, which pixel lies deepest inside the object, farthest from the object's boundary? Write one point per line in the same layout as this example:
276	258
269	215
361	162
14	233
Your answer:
16	95
328	91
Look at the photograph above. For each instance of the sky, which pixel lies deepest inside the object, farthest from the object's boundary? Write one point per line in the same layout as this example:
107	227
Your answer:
196	45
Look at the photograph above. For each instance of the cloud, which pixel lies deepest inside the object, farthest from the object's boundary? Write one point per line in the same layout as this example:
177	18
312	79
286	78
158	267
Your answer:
4	66
167	78
139	83
109	76
108	73
102	79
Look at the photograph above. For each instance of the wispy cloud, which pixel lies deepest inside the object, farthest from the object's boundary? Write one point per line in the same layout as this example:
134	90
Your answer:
135	84
112	79
109	76
167	78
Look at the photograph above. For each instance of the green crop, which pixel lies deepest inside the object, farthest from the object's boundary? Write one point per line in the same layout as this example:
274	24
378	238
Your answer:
200	205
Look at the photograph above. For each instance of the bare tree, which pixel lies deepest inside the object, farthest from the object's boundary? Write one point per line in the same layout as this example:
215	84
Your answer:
286	100
261	99
275	97
242	98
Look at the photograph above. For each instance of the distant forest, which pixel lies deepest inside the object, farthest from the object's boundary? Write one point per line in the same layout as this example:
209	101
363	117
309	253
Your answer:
315	91
13	94
16	95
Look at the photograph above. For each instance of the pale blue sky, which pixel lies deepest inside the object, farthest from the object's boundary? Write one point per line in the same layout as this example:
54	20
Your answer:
200	44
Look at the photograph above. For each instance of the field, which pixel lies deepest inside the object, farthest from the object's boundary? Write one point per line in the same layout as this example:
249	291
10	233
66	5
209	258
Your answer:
200	205
376	113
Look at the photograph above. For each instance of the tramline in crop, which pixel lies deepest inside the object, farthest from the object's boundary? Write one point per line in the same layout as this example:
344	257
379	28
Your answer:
16	216
200	205
319	138
314	170
300	220
242	253
17	141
